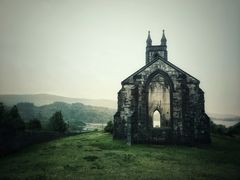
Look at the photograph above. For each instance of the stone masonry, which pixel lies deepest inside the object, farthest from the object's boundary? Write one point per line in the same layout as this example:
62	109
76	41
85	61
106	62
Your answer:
160	103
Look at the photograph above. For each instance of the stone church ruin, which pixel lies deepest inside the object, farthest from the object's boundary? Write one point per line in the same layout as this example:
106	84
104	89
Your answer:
160	103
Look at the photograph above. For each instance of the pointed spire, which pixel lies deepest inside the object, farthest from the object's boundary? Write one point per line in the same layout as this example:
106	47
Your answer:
163	40
149	40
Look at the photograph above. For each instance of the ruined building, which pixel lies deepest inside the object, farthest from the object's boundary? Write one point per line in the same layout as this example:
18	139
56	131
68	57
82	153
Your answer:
161	103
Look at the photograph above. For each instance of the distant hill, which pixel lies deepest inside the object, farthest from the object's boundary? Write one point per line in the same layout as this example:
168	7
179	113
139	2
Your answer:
223	116
76	114
44	99
71	112
224	119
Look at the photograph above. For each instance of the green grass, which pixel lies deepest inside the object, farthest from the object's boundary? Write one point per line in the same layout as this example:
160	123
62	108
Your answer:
96	156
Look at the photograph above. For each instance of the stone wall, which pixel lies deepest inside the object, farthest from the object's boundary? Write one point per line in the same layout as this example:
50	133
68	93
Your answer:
187	121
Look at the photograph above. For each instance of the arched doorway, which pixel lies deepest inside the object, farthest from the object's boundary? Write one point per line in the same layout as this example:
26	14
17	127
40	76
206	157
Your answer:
159	101
156	119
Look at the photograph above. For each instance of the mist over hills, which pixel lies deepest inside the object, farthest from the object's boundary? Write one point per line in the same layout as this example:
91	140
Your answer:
44	99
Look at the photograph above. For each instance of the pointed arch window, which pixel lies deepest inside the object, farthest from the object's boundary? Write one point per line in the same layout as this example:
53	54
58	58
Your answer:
159	101
156	119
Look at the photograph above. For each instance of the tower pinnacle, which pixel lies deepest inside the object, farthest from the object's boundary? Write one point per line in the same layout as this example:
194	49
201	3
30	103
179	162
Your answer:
163	40
149	40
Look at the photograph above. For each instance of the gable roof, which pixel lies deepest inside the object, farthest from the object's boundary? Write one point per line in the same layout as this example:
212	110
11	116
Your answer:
152	62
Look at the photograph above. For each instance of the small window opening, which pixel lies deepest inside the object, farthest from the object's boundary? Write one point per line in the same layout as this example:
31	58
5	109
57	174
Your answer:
156	119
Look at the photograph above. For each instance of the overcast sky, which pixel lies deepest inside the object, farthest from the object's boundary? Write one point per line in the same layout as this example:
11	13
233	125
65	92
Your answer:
86	48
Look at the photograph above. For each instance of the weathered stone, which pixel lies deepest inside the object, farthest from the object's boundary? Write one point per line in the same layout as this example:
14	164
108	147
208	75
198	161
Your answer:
160	103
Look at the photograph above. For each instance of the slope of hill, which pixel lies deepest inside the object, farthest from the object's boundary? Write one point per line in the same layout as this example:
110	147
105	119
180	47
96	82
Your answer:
75	113
96	156
44	99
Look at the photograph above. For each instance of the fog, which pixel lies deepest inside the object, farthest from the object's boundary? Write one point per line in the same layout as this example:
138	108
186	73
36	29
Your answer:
86	48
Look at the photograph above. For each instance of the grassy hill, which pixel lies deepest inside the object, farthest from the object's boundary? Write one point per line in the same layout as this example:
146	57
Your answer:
96	156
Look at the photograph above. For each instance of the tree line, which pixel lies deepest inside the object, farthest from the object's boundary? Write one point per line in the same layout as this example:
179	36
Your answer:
11	123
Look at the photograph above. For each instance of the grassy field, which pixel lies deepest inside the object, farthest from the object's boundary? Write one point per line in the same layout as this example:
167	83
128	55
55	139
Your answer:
96	156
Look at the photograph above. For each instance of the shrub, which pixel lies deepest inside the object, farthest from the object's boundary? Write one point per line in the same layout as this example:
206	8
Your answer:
109	127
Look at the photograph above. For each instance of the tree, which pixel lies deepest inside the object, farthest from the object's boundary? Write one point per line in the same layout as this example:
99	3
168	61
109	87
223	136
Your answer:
15	121
3	127
109	127
218	128
2	110
11	122
234	130
56	122
2	113
34	124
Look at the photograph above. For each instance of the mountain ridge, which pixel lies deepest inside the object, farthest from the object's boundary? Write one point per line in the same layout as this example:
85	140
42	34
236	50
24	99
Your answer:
45	99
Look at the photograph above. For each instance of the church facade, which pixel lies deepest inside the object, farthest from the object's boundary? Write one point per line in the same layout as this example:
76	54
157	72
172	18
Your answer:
160	103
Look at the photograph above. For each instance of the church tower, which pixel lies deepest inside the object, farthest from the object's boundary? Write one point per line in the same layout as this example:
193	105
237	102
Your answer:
154	52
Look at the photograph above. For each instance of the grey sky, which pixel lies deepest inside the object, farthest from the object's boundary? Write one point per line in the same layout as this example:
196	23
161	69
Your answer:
86	48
